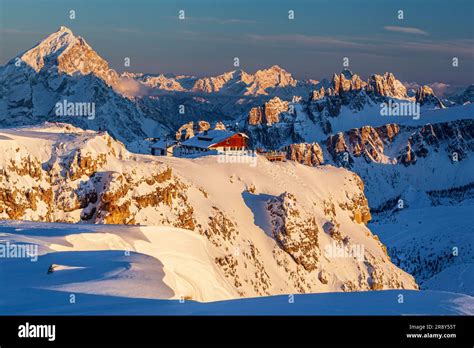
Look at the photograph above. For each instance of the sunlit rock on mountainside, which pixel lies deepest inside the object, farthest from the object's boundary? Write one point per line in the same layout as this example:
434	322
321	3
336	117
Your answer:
268	241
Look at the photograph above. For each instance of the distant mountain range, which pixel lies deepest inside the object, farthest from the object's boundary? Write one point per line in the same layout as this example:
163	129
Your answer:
134	106
411	165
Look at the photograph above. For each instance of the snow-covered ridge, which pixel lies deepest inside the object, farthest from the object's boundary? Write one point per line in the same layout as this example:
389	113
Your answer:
145	270
70	54
435	244
59	173
49	48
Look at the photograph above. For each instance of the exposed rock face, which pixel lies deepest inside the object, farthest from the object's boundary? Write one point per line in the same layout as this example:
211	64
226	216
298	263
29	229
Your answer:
160	82
425	95
15	201
298	235
318	94
219	126
269	113
80	57
82	176
70	54
357	204
273	108
407	156
274	77
455	137
377	145
336	146
388	132
272	137
263	82
368	142
348	91
203	126
63	68
255	116
387	86
76	184
371	143
311	245
188	130
221	228
308	154
346	82
379	155
233	81
341	85
271	125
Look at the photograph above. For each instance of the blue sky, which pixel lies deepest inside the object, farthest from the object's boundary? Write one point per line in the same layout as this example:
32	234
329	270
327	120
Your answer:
418	48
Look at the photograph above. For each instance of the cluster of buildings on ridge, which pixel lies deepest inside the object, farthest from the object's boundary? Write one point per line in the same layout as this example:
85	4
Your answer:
204	143
209	142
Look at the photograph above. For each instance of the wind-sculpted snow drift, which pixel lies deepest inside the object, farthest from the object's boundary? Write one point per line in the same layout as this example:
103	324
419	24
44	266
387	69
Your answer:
88	261
275	229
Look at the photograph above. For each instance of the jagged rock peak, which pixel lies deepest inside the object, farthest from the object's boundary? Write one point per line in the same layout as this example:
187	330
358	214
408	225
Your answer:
64	29
425	95
309	154
387	85
268	113
346	81
69	54
220	126
274	68
50	47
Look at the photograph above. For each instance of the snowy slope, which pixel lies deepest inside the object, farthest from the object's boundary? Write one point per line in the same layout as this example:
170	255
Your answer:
435	244
92	263
418	179
419	184
126	261
272	228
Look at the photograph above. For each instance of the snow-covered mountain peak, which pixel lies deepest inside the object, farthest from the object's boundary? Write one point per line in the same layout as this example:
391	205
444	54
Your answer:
50	47
69	54
276	72
241	82
64	29
275	67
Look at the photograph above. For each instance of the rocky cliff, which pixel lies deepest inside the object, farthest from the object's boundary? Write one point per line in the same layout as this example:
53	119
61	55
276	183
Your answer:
271	228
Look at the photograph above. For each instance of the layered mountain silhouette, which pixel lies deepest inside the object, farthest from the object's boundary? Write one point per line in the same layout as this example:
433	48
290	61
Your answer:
133	106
